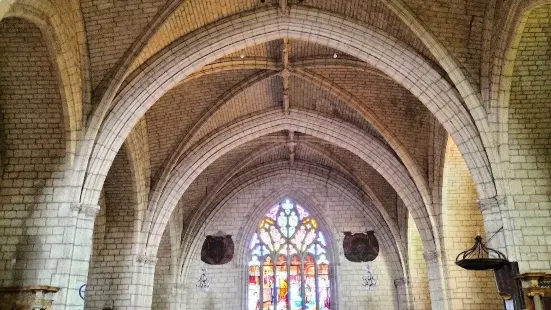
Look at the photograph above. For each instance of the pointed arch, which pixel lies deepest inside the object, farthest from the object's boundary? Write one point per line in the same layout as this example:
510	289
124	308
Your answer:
365	147
299	70
67	46
371	45
266	175
289	249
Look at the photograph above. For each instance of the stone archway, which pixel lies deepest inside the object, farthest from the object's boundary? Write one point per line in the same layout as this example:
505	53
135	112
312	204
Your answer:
179	60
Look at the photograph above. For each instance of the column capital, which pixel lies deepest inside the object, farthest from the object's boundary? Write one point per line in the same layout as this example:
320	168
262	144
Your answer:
146	259
487	204
399	282
28	297
431	255
87	209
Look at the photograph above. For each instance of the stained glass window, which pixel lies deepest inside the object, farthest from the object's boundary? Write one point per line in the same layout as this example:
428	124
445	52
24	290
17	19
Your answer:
288	263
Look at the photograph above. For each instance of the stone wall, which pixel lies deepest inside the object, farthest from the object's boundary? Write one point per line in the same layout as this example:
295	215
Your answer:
462	222
227	281
530	144
32	151
420	296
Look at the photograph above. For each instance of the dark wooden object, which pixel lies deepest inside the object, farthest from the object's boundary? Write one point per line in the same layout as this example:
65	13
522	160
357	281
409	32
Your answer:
508	286
217	250
360	247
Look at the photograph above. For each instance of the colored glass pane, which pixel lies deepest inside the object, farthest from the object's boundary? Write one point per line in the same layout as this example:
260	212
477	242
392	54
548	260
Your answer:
287	255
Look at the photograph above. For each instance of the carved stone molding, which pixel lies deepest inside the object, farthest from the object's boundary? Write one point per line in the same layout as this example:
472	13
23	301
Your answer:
86	209
27	297
431	256
492	202
146	260
399	282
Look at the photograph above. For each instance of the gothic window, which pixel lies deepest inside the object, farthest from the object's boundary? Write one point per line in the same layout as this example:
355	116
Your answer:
288	265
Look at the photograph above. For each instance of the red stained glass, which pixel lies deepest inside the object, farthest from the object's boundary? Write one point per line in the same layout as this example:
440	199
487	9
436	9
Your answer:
288	266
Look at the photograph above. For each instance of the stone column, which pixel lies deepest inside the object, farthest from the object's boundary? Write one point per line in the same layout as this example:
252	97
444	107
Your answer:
63	262
492	214
437	280
402	292
141	290
79	239
178	293
54	251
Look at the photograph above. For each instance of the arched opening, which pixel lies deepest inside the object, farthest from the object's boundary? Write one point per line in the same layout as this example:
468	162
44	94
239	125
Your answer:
444	104
32	148
529	142
336	206
288	262
462	221
113	239
419	279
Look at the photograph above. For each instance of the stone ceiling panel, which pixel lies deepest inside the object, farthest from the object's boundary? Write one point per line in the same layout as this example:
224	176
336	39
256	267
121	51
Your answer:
192	15
403	114
366	173
280	152
112	26
170	119
375	13
263	95
304	152
459	25
269	50
205	183
304	49
309	96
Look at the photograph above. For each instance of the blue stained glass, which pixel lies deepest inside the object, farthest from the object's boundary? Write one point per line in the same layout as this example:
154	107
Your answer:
254	241
287	205
282	220
254	261
284	231
319	249
322	259
257	251
291	231
293	220
288	234
321	239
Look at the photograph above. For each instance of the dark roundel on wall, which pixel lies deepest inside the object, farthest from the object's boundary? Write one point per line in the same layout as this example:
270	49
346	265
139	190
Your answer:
360	247
217	250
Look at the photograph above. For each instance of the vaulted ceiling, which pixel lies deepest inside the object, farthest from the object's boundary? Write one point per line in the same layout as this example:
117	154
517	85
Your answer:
254	80
281	74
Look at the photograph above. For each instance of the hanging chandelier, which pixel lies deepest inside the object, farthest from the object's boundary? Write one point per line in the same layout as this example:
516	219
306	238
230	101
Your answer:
203	283
480	257
369	279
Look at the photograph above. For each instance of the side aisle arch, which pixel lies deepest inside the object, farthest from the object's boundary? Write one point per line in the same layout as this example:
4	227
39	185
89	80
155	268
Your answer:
68	50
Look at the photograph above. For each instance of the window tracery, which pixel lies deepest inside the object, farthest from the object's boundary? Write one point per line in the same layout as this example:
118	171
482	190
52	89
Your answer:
288	264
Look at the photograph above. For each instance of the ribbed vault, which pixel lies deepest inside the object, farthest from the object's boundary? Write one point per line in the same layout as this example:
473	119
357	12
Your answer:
142	125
